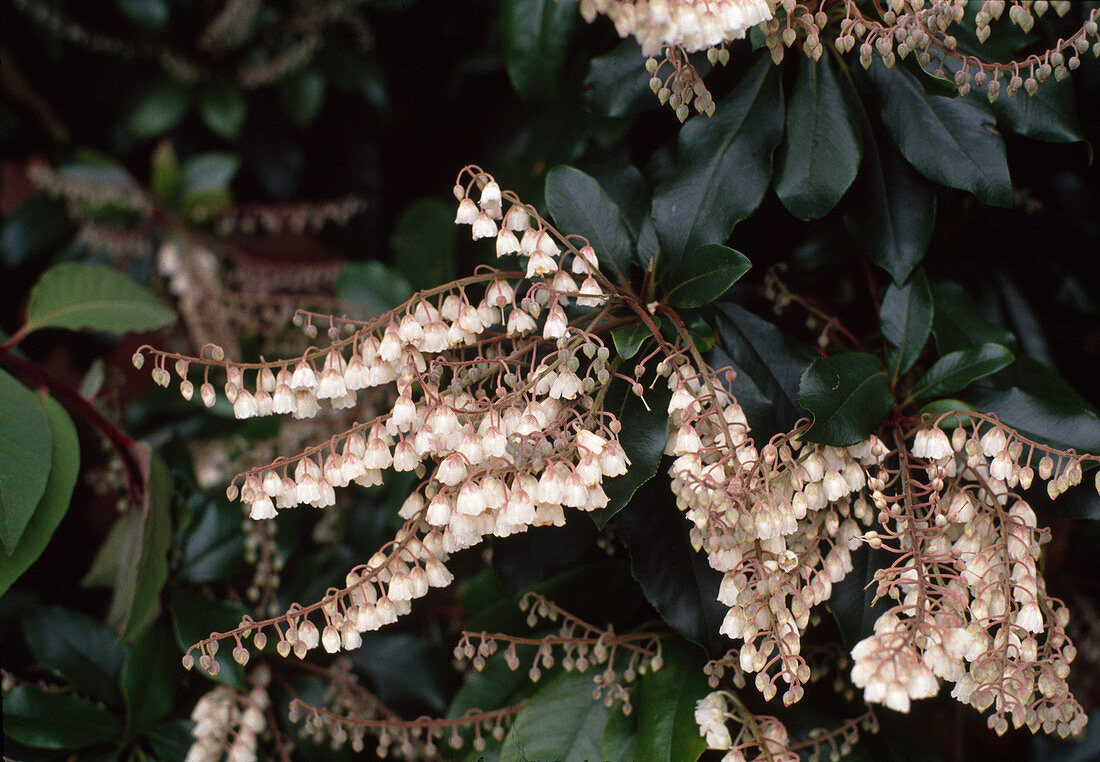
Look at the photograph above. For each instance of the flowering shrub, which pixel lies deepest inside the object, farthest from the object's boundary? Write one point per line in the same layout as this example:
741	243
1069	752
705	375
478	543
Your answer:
567	450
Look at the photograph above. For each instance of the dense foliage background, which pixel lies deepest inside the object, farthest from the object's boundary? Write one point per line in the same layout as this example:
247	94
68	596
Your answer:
131	123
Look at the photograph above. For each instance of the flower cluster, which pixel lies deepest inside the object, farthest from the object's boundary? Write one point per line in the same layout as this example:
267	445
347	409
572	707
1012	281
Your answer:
228	724
688	24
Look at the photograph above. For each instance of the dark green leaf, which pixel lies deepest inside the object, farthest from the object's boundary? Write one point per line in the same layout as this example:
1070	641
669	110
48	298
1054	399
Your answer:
643	440
25	448
405	668
171	740
893	209
54	503
213	547
423	243
148	679
848	395
77	648
561	722
1050	114
142	563
303	95
820	156
493	687
676	580
151	14
630	339
947	405
207	176
957	370
165	172
949	140
851	602
628	189
195	617
77	295
35	227
957	324
665	704
620	737
758	408
580	206
160	110
45	720
535	35
617	83
222	107
773	362
704	275
906	318
373	284
724	166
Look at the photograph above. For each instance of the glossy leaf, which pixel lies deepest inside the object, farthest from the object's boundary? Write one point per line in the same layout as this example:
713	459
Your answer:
957	324
947	405
949	140
724	166
704	275
617	83
77	295
892	209
424	243
44	720
54	503
676	580
630	339
171	740
561	722
957	370
25	448
643	438
373	284
1050	114
582	207
222	107
848	395
160	110
822	148
77	648
620	737
213	547
148	679
303	94
35	227
906	319
665	704
535	35
195	617
493	687
773	362
406	668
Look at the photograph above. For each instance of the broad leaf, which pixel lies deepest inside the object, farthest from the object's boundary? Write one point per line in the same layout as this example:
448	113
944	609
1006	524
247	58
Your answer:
643	439
44	720
580	206
535	35
957	370
171	740
374	284
724	166
151	14
561	722
406	668
848	395
54	503
1050	114
25	448
892	209
773	362
617	83
620	737
160	110
34	227
195	617
424	243
665	704
704	275
630	339
303	94
949	140
213	547
820	155
205	179
78	648
957	324
77	295
148	679
676	580
906	319
222	107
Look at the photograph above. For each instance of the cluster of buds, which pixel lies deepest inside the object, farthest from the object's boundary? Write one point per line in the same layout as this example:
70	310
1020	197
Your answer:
759	737
273	219
581	645
228	724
